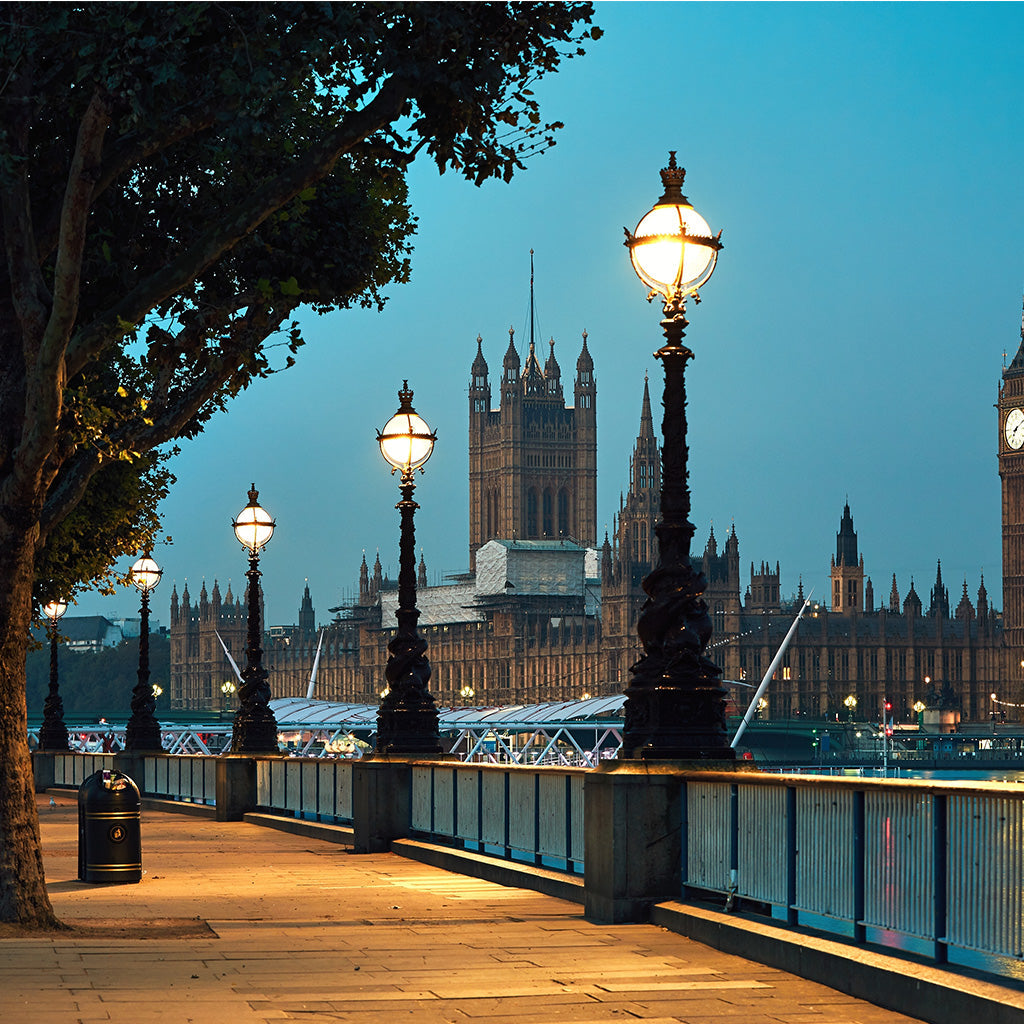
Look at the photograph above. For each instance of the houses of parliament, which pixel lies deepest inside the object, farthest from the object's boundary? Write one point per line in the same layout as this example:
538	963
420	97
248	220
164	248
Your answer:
547	612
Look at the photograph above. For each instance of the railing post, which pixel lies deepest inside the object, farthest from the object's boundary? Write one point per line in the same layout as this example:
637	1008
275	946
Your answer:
734	845
940	834
792	914
632	840
536	819
859	868
480	809
43	769
508	814
568	823
381	802
236	786
684	837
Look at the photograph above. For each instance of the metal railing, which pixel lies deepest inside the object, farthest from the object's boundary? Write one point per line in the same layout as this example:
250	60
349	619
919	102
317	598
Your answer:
533	815
74	769
189	778
310	788
931	866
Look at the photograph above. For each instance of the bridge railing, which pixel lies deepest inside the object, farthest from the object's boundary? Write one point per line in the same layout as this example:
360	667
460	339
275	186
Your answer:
310	788
73	769
533	815
190	778
937	866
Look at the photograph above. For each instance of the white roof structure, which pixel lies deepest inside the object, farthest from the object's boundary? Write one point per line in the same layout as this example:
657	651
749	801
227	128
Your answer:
530	567
297	712
506	568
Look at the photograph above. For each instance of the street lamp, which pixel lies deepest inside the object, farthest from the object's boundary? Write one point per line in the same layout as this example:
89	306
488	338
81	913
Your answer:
255	728
53	734
675	703
467	693
407	717
227	688
143	731
850	704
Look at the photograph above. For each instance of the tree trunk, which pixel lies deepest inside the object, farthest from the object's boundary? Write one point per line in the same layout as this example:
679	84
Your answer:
23	896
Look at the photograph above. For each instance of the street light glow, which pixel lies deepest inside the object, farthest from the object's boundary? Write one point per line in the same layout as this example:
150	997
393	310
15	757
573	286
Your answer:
253	526
406	442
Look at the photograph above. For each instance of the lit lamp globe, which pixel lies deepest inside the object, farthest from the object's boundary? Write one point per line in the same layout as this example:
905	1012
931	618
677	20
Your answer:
406	442
672	248
253	526
145	574
54	610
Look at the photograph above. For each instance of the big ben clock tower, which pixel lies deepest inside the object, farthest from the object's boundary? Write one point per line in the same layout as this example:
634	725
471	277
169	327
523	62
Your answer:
1011	472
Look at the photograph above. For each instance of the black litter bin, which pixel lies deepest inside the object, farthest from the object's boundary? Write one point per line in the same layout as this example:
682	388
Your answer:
109	830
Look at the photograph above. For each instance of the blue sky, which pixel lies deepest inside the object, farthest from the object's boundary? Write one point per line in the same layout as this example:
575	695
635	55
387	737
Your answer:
864	165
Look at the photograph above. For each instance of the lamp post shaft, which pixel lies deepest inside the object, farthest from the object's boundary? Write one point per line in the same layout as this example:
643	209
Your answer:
675	704
407	721
255	728
143	730
53	734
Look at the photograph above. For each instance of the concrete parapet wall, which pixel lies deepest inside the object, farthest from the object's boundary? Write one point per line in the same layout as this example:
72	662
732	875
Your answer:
936	995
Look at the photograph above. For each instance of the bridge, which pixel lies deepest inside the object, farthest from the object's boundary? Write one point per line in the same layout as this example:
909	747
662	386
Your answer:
580	733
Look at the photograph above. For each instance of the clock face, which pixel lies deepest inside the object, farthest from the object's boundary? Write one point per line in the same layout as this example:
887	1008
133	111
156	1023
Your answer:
1014	428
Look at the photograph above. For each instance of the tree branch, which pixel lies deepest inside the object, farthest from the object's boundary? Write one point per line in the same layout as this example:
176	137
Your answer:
313	166
74	217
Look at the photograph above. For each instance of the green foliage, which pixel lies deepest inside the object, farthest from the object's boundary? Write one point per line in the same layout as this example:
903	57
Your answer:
100	683
176	179
116	517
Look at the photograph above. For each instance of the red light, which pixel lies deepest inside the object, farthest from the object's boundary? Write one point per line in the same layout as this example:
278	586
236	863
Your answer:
888	705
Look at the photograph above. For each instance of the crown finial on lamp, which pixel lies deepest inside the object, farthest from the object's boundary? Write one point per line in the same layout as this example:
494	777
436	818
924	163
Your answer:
672	178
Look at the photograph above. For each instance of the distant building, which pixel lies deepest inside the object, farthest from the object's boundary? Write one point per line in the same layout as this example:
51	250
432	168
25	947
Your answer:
94	632
533	460
545	615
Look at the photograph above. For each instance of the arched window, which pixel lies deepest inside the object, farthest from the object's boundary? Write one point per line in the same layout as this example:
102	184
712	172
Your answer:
531	512
548	513
563	514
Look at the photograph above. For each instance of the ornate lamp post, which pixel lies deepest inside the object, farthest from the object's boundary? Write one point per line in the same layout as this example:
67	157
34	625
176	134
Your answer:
850	703
675	704
143	730
407	717
53	734
227	688
255	728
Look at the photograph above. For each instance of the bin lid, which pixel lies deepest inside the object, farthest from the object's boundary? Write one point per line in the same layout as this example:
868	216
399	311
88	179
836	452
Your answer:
108	788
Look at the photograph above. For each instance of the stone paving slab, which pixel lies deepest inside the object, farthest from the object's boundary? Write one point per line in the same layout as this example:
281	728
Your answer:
281	927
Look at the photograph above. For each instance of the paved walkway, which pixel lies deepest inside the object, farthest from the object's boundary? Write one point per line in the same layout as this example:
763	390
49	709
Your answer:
233	922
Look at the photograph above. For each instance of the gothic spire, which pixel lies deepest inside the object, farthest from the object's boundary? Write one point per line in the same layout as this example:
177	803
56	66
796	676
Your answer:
646	419
479	368
511	359
1016	368
846	540
533	375
585	361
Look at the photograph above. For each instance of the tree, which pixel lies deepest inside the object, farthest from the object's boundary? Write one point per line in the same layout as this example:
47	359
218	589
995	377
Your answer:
175	180
95	683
